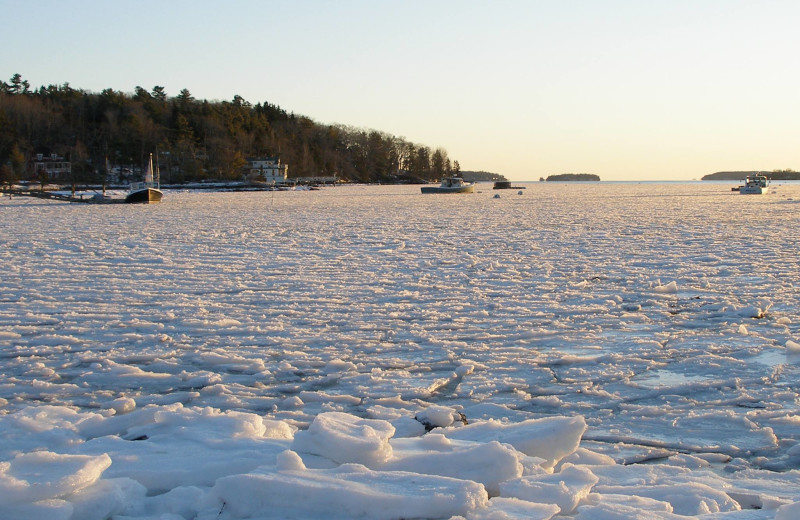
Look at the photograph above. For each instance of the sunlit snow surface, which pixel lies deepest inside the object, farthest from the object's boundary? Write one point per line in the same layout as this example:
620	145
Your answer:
194	342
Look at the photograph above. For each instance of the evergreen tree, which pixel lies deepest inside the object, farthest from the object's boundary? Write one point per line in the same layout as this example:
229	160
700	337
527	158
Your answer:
197	139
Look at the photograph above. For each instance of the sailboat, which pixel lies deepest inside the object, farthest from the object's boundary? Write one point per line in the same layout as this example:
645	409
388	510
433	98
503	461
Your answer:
148	191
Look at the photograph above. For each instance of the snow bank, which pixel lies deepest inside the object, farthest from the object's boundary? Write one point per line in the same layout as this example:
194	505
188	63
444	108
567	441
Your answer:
349	491
488	463
670	288
612	507
690	499
788	512
436	416
108	497
35	485
184	463
42	475
565	489
550	439
513	509
345	438
166	447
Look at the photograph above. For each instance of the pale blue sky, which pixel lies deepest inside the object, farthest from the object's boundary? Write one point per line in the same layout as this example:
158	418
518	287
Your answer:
629	90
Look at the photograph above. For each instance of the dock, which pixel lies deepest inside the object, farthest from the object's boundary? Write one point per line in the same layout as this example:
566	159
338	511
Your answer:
39	194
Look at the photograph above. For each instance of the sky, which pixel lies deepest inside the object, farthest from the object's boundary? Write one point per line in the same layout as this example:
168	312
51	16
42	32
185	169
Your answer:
625	89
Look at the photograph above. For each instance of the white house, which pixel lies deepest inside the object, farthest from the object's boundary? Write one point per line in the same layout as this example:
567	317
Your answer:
52	167
268	169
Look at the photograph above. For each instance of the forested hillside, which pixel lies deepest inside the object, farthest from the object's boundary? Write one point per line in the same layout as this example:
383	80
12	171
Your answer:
195	139
583	177
776	175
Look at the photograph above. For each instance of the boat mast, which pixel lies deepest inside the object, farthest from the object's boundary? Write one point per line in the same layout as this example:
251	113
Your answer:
158	172
148	175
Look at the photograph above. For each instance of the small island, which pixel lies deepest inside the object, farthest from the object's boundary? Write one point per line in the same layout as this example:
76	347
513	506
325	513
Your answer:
481	176
582	177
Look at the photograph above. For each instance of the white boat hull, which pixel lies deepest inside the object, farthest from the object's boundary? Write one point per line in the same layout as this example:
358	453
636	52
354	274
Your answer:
755	185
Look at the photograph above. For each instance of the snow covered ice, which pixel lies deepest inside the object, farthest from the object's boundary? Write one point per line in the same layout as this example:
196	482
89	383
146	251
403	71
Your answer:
588	351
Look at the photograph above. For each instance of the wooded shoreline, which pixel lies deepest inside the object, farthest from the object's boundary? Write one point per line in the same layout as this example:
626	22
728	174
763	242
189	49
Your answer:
106	136
781	175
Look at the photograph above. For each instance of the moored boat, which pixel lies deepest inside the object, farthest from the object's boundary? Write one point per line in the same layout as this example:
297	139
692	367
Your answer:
452	184
755	185
148	191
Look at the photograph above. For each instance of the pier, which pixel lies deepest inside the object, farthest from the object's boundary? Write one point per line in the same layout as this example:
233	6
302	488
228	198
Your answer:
39	194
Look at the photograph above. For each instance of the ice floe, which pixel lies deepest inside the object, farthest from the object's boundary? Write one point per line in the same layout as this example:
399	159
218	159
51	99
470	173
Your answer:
343	354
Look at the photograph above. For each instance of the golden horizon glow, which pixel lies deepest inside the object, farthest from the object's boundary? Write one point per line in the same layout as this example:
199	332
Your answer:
624	90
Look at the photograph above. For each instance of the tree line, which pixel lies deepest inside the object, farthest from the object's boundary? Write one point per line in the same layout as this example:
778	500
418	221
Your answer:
195	139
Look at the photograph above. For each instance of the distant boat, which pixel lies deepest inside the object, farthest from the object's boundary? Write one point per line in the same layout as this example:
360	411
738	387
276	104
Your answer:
148	191
755	185
451	185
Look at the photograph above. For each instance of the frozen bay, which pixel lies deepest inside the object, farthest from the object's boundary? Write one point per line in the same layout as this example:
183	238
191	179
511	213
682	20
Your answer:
664	315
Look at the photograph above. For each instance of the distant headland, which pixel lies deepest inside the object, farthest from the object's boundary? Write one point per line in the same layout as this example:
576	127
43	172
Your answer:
776	175
582	177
